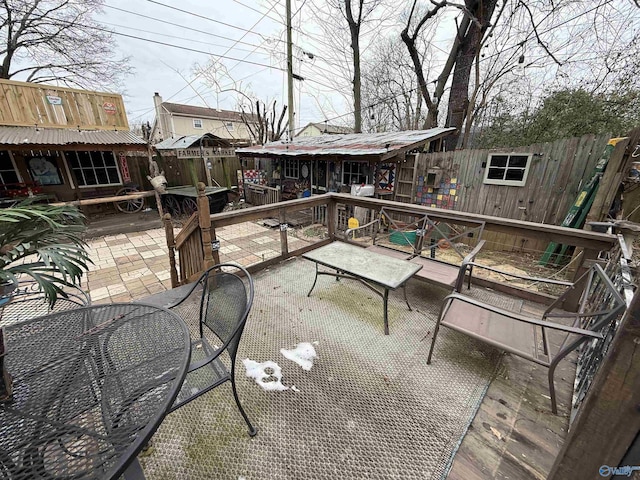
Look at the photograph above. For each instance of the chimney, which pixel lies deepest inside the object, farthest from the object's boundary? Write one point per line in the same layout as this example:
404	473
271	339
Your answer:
161	118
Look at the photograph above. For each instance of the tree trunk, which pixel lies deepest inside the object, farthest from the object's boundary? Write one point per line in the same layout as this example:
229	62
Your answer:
354	28
459	95
432	109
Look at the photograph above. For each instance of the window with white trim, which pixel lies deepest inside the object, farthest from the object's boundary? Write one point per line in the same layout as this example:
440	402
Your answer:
95	168
355	173
291	169
229	126
197	123
8	173
509	169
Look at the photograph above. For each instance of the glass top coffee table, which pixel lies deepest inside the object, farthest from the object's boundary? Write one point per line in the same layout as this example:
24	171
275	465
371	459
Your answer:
378	272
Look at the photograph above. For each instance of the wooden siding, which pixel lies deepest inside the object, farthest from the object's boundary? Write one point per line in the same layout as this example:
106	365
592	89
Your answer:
556	175
26	104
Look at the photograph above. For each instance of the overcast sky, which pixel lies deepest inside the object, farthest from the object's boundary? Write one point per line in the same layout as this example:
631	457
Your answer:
168	71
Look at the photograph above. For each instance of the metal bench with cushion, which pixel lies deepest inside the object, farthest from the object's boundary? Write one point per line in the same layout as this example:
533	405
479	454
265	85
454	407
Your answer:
424	237
526	336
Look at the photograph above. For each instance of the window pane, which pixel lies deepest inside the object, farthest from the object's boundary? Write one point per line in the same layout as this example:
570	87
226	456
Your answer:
96	160
499	160
8	176
85	159
73	160
90	177
109	160
113	175
518	161
5	161
101	176
515	174
496	174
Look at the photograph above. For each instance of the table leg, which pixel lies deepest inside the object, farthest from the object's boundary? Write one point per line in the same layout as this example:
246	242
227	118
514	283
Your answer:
404	292
314	282
386	318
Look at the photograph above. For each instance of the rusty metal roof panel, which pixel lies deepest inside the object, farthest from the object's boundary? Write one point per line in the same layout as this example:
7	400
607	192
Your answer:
355	144
26	136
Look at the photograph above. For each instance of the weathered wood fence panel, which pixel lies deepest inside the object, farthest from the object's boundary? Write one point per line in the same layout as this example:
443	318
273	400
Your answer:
556	174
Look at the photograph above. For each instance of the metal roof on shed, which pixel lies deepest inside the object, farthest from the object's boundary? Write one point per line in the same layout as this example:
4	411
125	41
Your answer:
356	144
63	136
187	141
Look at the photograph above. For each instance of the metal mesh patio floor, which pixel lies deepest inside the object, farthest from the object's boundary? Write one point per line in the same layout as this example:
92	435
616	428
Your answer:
370	407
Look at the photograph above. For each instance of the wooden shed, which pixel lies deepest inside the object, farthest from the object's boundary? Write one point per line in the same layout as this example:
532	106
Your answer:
65	143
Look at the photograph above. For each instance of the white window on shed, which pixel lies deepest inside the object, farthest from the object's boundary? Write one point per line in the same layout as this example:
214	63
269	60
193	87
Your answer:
509	169
197	123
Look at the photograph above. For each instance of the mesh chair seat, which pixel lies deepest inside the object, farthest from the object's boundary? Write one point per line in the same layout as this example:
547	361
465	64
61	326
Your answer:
201	380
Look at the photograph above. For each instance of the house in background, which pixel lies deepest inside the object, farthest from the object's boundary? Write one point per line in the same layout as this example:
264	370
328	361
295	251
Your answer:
315	129
65	143
175	120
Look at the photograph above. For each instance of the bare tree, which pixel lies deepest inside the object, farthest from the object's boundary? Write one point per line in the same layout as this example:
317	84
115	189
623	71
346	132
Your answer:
262	122
262	119
57	40
356	13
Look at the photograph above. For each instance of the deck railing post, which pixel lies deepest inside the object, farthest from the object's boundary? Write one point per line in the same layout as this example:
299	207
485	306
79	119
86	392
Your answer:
204	220
608	420
332	213
284	244
171	246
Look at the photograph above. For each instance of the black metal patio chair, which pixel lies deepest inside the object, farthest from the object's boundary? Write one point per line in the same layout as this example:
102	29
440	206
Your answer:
215	308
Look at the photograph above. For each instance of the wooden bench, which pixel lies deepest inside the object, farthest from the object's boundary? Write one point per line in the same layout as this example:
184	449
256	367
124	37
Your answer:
528	337
425	238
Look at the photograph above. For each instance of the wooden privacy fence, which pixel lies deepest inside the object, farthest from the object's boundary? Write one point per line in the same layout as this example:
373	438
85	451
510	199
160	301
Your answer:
556	173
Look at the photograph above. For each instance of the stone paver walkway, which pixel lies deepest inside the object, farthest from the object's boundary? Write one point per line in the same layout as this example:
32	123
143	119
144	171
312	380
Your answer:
134	265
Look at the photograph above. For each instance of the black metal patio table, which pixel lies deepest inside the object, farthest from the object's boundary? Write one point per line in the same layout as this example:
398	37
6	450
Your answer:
90	387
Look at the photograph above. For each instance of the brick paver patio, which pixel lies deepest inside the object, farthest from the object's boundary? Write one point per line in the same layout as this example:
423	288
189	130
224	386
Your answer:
135	265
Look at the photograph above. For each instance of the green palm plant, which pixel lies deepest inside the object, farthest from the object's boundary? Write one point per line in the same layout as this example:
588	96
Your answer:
45	243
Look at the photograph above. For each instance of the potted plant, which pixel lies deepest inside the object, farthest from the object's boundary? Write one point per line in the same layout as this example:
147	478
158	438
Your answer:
43	242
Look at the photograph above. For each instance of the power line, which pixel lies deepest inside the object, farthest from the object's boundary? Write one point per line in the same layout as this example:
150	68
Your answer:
179	26
182	38
207	18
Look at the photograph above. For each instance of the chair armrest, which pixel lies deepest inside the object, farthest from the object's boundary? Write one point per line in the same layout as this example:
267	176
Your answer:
518	317
467	263
352	230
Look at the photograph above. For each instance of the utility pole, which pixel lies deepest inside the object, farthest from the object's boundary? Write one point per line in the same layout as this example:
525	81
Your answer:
289	71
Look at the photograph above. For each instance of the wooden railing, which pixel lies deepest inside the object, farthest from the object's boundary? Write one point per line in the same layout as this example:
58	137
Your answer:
332	211
260	194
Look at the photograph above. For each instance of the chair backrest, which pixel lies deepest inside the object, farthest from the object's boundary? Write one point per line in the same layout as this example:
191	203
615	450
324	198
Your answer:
227	296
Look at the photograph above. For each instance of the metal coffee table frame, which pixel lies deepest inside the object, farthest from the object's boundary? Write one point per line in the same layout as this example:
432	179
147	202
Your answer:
343	271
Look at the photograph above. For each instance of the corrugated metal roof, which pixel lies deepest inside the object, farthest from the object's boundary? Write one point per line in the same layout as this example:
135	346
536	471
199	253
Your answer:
63	136
187	141
355	144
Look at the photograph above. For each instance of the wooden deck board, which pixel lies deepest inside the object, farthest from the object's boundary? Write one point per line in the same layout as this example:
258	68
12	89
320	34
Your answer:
526	436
